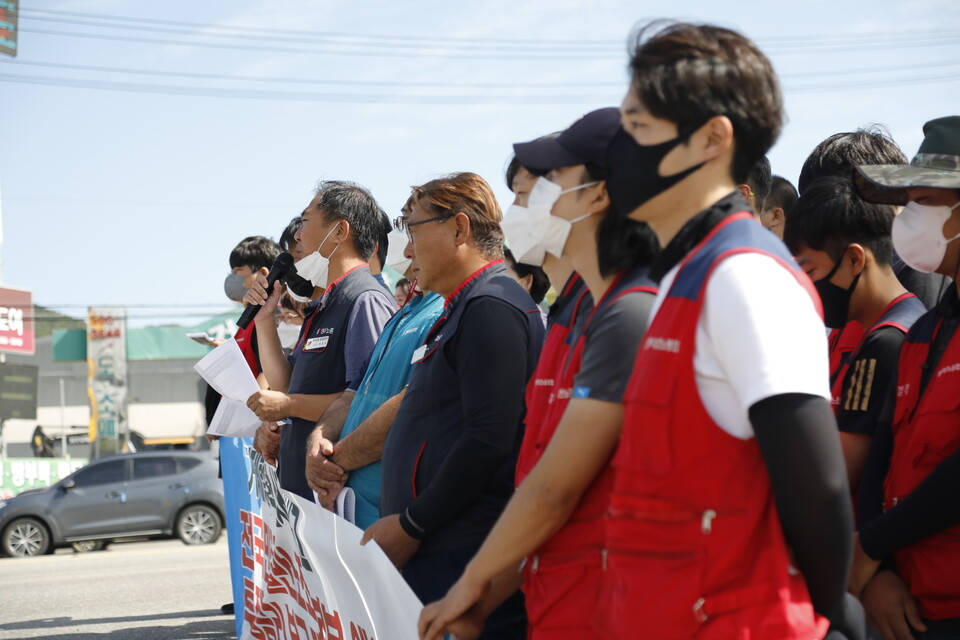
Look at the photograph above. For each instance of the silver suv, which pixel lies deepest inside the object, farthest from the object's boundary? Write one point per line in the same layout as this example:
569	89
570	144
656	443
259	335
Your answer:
124	496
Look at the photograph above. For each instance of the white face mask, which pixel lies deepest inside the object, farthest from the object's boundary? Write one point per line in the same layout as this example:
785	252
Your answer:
532	231
314	267
288	334
918	235
297	298
396	244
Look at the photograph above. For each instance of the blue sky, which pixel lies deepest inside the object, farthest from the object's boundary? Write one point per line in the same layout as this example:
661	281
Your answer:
136	196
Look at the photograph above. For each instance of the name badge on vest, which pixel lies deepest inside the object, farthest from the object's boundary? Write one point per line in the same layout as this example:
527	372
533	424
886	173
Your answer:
418	355
315	344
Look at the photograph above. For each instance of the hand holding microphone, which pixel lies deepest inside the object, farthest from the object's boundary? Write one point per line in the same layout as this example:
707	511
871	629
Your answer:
263	293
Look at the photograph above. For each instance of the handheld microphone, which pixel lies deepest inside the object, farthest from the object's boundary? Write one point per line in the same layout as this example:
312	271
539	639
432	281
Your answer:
280	267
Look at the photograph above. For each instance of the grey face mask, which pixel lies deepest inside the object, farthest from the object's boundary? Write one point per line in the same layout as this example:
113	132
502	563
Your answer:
233	287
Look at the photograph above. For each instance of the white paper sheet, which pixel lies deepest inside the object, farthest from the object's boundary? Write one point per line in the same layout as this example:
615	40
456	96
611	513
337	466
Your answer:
226	370
234	419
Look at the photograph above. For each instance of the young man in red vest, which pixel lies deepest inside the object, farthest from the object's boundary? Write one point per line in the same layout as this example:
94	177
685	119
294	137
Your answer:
908	547
730	512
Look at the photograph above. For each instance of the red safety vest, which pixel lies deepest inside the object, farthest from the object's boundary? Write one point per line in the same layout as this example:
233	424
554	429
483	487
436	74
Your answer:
900	313
695	548
841	344
926	430
563	577
554	354
244	338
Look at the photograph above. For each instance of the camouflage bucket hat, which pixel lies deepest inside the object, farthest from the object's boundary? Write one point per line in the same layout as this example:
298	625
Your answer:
936	165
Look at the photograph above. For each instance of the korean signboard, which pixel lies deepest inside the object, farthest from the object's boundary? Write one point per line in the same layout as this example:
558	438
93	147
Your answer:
107	370
8	26
16	319
18	391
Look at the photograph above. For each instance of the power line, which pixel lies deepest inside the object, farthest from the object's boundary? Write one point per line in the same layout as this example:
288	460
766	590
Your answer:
320	34
380	38
383	43
427	51
317	81
438	85
431	99
352	98
335	52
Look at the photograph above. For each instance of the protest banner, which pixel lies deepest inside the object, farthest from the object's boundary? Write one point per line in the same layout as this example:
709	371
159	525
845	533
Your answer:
305	574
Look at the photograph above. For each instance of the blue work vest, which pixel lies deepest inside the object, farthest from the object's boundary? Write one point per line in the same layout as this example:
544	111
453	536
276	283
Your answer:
387	375
430	419
321	367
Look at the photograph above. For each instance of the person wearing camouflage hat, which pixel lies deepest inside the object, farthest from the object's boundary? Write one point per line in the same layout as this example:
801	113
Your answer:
936	166
908	511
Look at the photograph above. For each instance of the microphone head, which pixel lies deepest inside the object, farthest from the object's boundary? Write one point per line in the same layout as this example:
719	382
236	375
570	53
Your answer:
283	263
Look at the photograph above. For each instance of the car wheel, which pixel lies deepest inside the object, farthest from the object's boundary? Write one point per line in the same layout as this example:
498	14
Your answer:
198	524
26	537
86	546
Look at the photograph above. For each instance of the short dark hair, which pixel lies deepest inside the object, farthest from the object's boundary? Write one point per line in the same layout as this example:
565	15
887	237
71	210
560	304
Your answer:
688	73
288	238
514	165
782	194
759	181
255	252
469	194
831	215
383	239
540	283
623	243
342	200
841	152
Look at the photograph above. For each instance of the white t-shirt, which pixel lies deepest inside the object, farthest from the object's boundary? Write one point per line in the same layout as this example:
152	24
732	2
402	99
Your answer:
759	335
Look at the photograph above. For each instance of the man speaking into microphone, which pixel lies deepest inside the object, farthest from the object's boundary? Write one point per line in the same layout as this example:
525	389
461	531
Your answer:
338	235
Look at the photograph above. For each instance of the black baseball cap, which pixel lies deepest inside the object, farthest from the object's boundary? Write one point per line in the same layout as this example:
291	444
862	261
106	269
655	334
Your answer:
583	142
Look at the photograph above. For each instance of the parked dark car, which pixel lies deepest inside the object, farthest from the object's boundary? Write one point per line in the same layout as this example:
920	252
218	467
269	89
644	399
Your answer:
160	493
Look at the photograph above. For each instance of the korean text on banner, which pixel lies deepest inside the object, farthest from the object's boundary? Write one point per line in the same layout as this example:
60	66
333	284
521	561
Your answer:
107	378
306	574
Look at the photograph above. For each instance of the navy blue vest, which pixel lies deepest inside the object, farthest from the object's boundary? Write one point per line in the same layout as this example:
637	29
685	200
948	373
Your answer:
429	421
321	368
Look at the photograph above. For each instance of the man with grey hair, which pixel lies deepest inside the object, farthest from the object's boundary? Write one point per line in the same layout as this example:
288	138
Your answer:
338	234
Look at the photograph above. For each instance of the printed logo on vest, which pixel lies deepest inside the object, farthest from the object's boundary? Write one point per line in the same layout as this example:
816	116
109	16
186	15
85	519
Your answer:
903	389
952	368
543	382
670	345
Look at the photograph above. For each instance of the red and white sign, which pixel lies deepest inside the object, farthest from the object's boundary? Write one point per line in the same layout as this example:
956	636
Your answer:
16	321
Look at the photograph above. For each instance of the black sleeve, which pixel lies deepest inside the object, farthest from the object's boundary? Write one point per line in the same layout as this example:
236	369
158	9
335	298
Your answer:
611	347
932	507
870	491
798	440
867	381
491	366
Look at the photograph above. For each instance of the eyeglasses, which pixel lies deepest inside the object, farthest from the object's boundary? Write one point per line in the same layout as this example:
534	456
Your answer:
401	224
290	317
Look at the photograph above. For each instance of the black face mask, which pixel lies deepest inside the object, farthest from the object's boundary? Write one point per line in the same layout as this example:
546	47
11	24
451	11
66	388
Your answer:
635	170
298	284
835	299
